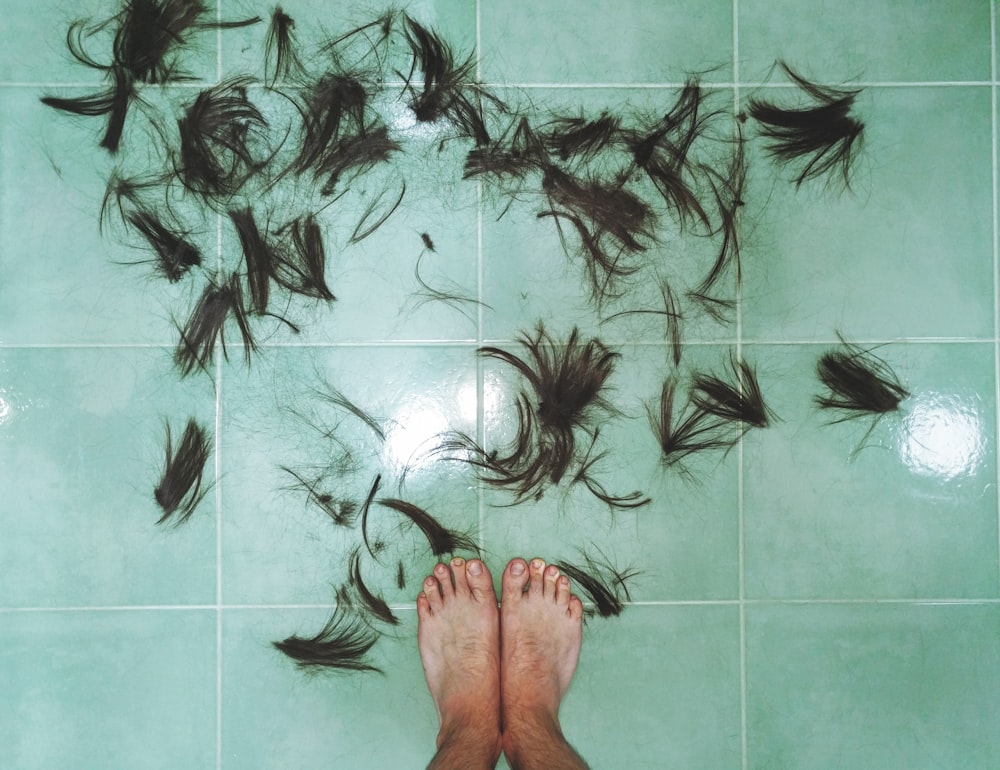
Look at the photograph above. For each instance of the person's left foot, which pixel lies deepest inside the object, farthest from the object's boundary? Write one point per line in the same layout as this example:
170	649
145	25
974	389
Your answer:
459	639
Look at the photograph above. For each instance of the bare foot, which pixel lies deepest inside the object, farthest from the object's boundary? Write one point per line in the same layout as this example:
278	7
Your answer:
541	632
458	637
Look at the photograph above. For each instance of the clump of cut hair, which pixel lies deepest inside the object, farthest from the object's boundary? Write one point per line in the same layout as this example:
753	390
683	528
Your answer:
447	90
175	254
692	429
822	136
280	48
181	485
342	644
738	399
375	604
576	137
219	134
860	383
206	324
510	157
601	582
566	392
727	190
300	267
441	539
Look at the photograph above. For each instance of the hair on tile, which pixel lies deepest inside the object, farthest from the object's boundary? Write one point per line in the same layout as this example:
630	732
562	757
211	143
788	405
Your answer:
585	475
823	137
737	399
365	226
400	576
113	102
601	582
859	382
342	644
576	137
280	52
441	539
333	396
687	431
181	486
221	135
206	324
175	254
673	316
375	604
727	190
341	512
366	507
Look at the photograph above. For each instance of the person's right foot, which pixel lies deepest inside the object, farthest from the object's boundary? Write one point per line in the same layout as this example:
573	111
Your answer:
540	637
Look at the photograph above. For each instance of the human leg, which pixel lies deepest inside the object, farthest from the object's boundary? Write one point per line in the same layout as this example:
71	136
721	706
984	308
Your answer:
458	637
540	637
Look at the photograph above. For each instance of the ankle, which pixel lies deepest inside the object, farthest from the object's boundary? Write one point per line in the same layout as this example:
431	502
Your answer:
529	726
474	732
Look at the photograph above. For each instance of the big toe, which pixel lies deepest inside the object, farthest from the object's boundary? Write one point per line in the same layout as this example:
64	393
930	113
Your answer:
480	582
515	577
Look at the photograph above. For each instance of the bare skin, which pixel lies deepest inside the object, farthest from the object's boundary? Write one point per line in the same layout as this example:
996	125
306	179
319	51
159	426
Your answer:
457	636
483	666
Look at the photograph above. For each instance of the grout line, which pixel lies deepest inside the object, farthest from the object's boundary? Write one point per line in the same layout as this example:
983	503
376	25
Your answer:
942	601
480	384
472	343
996	251
741	553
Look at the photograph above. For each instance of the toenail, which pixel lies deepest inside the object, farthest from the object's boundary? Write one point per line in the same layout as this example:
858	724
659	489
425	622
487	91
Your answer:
517	568
552	571
564	581
475	568
537	563
457	561
441	569
429	582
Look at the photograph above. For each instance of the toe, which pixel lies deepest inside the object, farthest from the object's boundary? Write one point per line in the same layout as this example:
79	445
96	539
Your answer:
562	591
479	582
535	580
550	576
575	608
423	607
443	575
458	568
432	590
514	579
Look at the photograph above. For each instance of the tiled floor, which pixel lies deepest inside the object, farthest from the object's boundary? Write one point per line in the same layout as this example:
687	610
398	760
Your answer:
817	598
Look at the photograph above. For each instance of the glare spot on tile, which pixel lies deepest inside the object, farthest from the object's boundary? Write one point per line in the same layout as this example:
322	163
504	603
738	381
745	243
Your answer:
5	410
413	434
942	436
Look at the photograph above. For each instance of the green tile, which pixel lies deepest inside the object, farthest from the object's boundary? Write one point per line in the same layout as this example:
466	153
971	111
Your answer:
108	689
278	547
912	514
900	41
63	281
684	544
533	268
275	715
658	687
873	686
36	50
81	450
908	253
640	41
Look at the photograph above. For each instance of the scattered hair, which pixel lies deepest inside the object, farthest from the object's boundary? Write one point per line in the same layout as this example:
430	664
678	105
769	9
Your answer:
441	539
280	47
584	475
688	431
578	137
400	576
206	324
822	136
343	513
375	604
601	582
342	644
333	396
181	484
301	266
365	508
363	228
175	254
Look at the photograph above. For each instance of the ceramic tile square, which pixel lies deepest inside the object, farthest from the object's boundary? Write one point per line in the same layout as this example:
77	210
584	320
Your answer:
534	266
907	253
636	667
81	450
683	543
63	281
899	41
108	689
639	41
911	514
35	48
279	545
873	686
276	715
